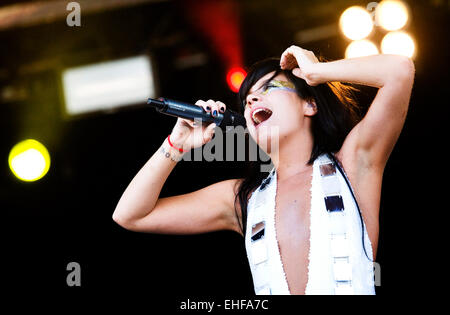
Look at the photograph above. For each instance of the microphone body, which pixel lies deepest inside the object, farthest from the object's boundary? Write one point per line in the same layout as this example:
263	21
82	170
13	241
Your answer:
194	112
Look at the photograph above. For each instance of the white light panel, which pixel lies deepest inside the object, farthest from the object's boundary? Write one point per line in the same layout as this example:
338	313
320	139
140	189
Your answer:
108	85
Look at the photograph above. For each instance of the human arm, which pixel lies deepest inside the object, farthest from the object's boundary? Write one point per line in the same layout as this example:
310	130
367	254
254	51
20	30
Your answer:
373	138
140	208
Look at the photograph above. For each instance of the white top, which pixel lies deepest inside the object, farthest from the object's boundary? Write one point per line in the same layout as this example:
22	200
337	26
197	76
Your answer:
324	270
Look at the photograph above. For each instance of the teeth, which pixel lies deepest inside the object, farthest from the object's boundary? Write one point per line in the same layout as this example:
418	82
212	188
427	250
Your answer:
255	119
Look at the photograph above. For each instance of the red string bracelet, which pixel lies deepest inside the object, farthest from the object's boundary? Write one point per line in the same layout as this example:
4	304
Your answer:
170	143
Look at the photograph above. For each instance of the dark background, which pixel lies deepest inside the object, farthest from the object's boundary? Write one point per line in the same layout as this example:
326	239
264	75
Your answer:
66	216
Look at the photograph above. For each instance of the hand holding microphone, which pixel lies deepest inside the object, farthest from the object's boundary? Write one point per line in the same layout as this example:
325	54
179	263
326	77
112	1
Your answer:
203	115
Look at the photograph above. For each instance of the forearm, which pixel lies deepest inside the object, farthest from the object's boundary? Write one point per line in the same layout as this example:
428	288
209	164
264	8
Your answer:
373	71
143	192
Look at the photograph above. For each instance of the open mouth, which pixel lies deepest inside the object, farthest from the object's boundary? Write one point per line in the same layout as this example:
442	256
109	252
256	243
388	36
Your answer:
260	115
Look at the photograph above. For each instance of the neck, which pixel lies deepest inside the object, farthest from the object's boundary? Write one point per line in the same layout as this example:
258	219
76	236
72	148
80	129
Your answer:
293	154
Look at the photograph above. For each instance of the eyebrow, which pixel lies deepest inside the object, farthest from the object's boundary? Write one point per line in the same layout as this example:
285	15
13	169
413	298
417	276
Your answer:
250	91
264	83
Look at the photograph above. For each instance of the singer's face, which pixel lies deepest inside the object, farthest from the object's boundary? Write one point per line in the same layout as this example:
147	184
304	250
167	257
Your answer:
273	110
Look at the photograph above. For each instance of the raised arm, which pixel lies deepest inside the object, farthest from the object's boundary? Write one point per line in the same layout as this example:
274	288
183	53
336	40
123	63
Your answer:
375	136
209	209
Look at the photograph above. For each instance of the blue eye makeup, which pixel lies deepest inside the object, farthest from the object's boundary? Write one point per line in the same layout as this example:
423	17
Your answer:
278	84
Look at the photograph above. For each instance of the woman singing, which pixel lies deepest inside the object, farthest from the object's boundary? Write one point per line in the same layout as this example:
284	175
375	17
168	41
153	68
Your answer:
311	225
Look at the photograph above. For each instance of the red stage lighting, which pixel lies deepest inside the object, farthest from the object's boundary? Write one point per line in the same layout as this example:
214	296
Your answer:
235	76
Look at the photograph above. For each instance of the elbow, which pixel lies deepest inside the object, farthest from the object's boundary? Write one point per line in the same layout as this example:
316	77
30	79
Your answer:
125	222
120	220
405	69
116	218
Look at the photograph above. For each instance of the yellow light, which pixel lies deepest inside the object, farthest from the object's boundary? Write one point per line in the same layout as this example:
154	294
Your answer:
360	48
356	23
391	15
29	160
237	78
398	43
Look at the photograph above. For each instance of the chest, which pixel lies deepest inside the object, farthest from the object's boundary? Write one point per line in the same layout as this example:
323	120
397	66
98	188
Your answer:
292	210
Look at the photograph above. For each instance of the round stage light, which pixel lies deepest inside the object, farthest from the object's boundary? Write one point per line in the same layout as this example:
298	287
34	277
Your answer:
391	15
235	77
398	43
360	48
356	23
29	160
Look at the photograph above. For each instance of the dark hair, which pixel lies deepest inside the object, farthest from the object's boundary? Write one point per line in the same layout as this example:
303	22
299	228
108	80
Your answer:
337	114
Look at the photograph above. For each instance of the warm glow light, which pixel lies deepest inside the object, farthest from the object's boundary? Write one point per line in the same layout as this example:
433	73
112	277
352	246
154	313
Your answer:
29	160
391	15
356	23
398	43
235	77
361	48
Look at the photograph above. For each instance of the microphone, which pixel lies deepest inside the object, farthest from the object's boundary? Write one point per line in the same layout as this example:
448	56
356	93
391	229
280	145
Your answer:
194	112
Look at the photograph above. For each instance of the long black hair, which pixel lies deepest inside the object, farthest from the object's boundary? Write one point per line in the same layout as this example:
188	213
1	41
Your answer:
337	114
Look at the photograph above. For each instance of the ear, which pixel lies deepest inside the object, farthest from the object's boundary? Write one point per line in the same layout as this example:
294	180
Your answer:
310	107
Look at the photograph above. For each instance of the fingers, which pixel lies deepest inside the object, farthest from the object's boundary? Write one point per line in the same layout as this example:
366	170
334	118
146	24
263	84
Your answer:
288	58
209	132
295	56
212	107
222	107
203	104
216	107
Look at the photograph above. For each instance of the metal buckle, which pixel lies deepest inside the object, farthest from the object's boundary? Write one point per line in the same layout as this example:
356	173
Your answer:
258	243
334	203
258	230
327	169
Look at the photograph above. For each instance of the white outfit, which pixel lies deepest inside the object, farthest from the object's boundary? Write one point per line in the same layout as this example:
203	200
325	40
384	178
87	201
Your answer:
337	261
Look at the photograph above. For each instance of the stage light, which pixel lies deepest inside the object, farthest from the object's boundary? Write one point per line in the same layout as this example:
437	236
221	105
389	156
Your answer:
29	160
398	43
360	48
108	85
391	15
356	23
235	76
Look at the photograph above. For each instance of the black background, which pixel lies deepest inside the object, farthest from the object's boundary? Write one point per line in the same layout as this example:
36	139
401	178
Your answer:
67	215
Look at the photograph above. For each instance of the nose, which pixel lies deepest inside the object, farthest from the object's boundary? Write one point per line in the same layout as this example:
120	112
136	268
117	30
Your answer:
252	98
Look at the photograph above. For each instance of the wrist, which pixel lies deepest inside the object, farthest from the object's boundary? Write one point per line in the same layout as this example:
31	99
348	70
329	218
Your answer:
313	74
177	143
169	152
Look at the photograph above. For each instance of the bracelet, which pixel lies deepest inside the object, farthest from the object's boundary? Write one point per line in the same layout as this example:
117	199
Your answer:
170	143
